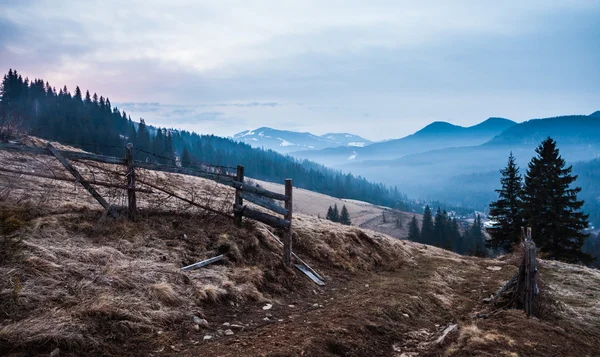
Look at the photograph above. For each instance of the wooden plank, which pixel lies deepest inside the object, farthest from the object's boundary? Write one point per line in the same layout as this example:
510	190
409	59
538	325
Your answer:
52	177
259	191
203	263
263	217
264	203
239	201
287	238
131	200
82	181
224	179
308	273
297	257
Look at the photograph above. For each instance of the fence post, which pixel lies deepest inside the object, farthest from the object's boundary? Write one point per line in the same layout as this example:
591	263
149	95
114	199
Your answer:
239	201
531	283
287	238
132	205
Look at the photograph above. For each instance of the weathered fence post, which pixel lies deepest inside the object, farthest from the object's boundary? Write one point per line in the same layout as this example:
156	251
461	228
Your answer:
239	201
531	282
527	274
287	238
132	205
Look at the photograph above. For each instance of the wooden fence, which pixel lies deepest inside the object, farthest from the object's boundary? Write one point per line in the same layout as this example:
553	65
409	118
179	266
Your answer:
244	191
260	197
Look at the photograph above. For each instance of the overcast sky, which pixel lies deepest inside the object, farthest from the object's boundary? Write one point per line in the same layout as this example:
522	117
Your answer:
380	69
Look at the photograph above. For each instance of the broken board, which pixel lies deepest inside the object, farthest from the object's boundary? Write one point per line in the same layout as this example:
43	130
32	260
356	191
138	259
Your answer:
310	274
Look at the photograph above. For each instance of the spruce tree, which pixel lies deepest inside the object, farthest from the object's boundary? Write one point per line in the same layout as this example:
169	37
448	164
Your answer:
454	235
329	215
186	158
427	227
335	215
551	207
345	216
439	228
478	240
413	230
506	211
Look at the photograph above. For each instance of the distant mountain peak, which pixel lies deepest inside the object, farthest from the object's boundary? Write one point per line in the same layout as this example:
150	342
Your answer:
496	120
595	114
439	127
286	141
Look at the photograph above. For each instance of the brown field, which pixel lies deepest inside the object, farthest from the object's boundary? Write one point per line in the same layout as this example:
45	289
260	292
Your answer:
74	282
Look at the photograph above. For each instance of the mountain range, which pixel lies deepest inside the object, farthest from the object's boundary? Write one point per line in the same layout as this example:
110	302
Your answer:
437	135
468	174
285	141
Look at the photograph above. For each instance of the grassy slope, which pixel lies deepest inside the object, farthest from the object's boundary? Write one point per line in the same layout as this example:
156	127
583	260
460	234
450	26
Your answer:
90	285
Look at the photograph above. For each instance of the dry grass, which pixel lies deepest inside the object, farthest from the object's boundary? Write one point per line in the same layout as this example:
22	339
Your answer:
84	281
472	338
73	285
346	247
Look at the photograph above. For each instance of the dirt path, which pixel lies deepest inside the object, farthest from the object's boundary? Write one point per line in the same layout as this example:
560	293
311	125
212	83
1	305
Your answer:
400	313
364	315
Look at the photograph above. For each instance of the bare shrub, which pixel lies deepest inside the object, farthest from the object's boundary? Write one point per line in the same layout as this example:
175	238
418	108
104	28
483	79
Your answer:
10	244
10	127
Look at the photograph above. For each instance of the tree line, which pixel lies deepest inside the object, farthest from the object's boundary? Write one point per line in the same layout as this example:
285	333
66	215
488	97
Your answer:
545	200
90	122
443	231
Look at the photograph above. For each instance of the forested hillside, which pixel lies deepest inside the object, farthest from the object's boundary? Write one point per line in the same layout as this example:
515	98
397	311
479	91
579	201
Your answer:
90	122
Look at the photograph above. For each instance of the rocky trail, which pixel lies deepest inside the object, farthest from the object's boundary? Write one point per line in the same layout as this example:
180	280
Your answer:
413	311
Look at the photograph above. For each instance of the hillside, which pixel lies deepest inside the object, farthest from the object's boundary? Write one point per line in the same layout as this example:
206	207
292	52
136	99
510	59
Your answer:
89	122
81	283
362	214
285	141
437	135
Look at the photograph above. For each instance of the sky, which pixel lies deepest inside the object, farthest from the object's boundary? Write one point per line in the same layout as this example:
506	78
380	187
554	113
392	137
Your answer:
379	69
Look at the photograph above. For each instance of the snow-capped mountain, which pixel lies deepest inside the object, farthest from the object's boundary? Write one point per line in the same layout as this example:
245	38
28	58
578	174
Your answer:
284	141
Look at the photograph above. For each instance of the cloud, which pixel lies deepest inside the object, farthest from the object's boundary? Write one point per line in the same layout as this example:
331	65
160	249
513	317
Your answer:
403	63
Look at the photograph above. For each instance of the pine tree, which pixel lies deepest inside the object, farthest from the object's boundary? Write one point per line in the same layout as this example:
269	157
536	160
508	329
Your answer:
186	158
439	228
413	230
454	235
345	216
329	215
551	208
506	211
427	227
477	237
335	214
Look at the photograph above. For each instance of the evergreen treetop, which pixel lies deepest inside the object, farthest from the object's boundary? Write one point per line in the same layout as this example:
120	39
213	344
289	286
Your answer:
551	207
345	216
413	230
506	211
427	227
